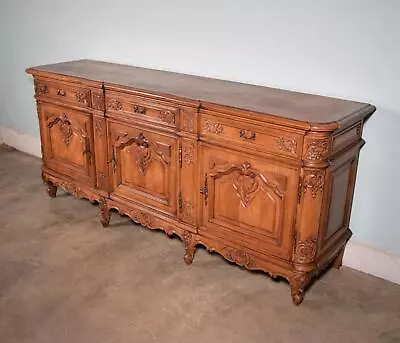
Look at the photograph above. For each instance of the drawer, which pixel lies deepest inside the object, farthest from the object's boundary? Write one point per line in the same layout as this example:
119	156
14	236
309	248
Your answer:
63	92
268	139
141	108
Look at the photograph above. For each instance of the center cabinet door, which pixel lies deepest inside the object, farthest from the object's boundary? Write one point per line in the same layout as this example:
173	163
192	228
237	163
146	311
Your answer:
248	200
143	164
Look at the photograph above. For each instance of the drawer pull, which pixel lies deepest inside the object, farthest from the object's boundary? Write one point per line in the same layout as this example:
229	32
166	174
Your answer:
247	134
61	92
139	109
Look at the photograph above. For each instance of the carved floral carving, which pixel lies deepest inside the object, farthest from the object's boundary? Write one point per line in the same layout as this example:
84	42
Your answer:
141	217
313	180
139	109
187	153
142	148
286	144
41	89
98	101
115	104
167	116
305	250
240	257
98	127
82	96
187	209
188	123
317	149
245	184
213	127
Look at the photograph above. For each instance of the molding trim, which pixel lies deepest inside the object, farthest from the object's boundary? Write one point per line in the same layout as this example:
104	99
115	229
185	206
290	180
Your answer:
357	256
372	261
20	141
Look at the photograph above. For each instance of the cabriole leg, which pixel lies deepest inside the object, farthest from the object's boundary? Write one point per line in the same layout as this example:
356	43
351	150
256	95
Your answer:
105	212
297	286
190	247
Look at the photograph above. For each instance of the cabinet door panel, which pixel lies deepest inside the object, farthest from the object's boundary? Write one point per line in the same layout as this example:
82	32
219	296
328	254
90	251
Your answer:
67	142
249	200
144	165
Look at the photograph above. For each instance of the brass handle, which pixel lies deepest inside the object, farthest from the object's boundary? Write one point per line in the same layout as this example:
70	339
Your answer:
247	134
139	109
61	92
204	190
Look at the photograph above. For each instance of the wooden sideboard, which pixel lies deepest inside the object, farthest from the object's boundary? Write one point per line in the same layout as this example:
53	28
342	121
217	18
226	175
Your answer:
264	177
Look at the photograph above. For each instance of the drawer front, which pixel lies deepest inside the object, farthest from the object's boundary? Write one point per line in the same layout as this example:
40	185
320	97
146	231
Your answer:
67	93
277	141
141	108
143	165
248	200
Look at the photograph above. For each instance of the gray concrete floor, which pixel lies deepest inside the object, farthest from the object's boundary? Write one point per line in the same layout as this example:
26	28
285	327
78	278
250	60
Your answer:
63	278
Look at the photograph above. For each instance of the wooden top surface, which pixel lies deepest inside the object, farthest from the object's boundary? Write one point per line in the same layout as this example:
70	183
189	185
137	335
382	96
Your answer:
292	105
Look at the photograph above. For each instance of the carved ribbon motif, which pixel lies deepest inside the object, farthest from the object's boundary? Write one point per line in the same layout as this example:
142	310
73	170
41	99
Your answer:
64	125
143	149
247	183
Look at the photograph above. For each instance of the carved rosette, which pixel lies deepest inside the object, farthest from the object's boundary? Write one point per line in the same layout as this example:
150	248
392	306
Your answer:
115	104
98	101
187	152
213	127
313	181
286	144
316	150
167	117
83	96
305	251
240	257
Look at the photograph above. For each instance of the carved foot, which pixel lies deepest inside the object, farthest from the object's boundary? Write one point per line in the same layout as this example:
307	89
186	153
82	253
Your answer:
190	247
105	213
337	263
297	286
51	189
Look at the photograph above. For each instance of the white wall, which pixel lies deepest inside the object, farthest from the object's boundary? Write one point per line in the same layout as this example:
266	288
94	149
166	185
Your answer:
344	48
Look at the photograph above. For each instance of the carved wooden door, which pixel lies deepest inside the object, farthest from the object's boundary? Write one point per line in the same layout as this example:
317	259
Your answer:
143	164
67	139
248	200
